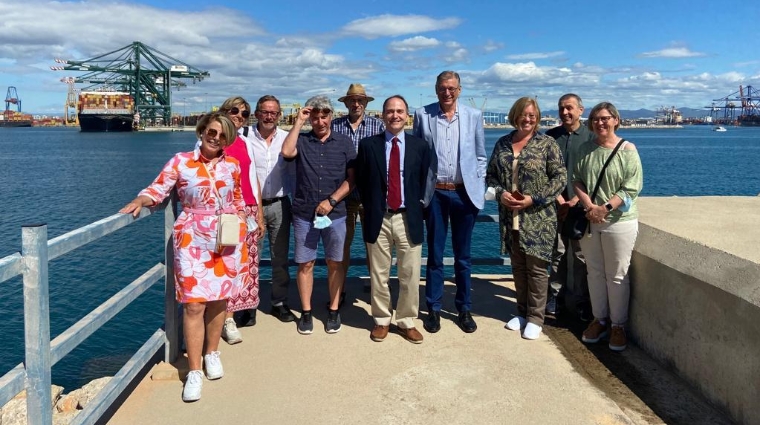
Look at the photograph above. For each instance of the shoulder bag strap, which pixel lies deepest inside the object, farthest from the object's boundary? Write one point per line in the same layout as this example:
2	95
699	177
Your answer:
601	173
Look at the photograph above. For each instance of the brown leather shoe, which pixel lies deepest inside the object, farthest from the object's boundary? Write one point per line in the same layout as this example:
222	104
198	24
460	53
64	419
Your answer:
379	333
412	335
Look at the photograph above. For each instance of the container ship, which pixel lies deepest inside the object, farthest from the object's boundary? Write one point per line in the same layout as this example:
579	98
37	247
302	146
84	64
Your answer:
15	119
106	111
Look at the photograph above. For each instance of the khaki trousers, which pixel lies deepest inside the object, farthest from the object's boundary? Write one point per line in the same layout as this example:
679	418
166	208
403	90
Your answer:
608	251
393	233
531	282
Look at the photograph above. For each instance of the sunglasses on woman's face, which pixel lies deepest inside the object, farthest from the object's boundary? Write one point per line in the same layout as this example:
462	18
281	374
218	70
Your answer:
213	133
235	110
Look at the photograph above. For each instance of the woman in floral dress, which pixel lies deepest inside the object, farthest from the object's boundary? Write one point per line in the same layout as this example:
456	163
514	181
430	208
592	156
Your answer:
208	184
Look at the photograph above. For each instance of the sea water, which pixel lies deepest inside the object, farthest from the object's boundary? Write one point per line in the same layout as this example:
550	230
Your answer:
68	179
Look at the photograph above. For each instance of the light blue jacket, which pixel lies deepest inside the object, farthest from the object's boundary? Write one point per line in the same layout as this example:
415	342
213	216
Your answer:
472	149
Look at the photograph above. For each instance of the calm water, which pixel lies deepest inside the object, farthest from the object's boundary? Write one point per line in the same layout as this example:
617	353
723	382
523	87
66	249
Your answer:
68	179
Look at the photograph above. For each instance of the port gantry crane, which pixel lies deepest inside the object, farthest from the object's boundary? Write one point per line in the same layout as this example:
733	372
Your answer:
747	100
70	117
147	74
12	97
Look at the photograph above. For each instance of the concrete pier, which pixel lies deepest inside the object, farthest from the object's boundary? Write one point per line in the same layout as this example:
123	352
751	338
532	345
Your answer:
695	295
695	308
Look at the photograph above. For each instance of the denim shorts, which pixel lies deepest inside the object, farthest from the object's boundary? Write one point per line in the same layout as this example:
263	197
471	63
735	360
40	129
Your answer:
307	239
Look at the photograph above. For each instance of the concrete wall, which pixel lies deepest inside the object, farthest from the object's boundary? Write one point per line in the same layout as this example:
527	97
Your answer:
696	307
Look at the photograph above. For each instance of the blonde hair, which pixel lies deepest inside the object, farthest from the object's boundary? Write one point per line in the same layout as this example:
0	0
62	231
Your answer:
228	128
519	107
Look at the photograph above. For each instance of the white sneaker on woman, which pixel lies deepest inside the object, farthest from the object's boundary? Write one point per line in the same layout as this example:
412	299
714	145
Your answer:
213	365
193	386
532	331
230	332
517	323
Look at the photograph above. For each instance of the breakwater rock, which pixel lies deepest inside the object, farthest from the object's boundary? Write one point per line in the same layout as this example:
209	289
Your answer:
65	406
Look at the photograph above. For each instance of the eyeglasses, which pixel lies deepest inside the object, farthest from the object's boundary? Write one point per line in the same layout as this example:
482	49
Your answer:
602	119
447	89
213	133
528	116
269	113
235	110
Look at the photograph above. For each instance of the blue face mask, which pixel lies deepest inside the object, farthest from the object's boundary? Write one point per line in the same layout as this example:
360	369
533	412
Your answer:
322	222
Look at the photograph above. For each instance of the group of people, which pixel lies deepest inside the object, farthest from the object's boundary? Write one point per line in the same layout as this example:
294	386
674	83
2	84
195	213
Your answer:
360	167
537	179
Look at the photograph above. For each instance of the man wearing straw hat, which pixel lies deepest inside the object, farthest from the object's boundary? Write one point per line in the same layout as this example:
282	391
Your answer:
356	125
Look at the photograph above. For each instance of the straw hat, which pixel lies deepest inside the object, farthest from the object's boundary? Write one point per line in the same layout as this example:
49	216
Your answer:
356	89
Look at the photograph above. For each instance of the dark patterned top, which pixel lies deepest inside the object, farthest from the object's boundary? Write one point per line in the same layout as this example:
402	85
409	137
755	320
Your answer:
320	170
541	175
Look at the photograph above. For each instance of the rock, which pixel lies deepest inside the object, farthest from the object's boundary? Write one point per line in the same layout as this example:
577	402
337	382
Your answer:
89	391
69	402
14	412
64	418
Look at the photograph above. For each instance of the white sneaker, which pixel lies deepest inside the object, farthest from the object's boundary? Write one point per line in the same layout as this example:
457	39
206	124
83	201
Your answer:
532	331
193	385
517	323
213	365
230	332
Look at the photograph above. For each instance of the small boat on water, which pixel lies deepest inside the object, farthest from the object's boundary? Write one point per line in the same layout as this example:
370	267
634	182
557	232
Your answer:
719	128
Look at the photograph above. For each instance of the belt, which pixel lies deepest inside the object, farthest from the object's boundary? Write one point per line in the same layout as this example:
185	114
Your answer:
449	186
204	211
398	211
271	201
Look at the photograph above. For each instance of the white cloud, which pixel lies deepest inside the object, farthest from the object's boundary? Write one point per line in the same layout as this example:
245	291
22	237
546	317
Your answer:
457	56
491	46
535	56
413	44
672	53
397	25
524	72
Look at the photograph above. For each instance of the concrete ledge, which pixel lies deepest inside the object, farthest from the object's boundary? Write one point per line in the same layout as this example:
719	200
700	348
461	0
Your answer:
695	295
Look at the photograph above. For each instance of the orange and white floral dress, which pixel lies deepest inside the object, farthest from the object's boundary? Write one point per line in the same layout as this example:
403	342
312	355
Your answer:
201	273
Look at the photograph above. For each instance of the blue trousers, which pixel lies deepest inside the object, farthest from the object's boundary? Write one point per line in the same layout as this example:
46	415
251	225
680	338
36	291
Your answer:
454	206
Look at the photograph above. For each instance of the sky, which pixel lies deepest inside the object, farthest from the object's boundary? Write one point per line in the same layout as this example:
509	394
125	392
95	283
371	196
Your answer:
640	54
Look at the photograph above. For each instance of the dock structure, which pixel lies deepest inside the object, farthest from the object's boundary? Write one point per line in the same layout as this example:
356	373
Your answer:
695	305
276	375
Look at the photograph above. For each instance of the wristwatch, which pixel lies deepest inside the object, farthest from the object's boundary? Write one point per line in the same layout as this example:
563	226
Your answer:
608	206
332	201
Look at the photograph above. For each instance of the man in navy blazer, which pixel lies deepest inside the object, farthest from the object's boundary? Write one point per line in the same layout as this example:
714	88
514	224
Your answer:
454	193
390	222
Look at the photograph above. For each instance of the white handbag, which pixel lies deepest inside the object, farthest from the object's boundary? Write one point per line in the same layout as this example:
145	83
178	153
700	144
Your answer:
227	230
227	225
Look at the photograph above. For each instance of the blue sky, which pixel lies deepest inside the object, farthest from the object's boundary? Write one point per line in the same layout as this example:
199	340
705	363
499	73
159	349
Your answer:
641	54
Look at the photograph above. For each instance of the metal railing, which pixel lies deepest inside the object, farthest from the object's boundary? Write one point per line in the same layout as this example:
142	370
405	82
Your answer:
41	353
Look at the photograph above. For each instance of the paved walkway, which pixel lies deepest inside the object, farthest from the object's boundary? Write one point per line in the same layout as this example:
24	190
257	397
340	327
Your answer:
492	376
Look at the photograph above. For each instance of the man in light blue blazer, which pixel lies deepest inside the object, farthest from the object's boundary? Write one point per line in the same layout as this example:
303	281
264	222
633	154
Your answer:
454	193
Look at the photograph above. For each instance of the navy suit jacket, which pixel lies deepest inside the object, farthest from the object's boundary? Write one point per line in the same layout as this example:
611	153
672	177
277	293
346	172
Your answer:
372	183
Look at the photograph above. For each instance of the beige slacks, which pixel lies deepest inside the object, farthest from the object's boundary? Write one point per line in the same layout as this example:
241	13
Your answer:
393	233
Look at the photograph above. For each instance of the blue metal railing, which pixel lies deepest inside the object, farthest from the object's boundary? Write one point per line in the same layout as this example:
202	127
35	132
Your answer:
41	353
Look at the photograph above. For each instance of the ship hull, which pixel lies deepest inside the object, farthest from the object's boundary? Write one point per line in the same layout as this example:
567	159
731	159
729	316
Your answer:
8	123
105	122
